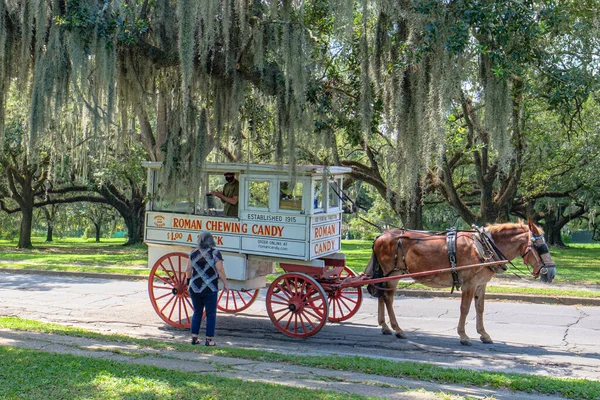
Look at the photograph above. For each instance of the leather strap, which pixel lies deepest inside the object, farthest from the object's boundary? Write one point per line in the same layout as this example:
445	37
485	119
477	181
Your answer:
451	245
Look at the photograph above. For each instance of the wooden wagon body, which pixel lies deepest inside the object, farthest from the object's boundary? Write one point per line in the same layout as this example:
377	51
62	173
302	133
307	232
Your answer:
293	221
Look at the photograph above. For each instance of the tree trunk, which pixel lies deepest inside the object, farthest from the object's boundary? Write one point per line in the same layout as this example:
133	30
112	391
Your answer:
552	231
135	224
26	223
49	213
132	209
413	218
97	226
554	221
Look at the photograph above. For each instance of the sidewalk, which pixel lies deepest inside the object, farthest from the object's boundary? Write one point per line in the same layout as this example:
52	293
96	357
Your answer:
256	371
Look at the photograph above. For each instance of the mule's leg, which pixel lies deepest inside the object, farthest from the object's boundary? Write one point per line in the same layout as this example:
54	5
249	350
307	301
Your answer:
465	304
479	306
381	316
389	303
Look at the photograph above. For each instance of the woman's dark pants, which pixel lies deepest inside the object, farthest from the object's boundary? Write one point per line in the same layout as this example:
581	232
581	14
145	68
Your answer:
204	302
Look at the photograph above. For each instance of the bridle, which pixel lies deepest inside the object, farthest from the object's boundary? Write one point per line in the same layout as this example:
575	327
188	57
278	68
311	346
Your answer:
537	246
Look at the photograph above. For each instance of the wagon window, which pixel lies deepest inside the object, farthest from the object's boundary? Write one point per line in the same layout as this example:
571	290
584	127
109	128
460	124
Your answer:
335	191
258	194
318	195
212	204
182	201
290	197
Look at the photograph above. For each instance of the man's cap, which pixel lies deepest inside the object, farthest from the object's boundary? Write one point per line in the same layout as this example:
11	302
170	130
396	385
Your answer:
229	173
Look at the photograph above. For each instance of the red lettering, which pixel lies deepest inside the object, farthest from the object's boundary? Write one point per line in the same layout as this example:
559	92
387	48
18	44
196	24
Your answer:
324	247
322	231
267	230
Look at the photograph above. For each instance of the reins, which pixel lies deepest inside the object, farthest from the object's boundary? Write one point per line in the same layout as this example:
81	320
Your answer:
355	207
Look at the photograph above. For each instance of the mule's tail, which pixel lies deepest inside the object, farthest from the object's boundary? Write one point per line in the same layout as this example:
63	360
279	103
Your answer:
373	270
370	269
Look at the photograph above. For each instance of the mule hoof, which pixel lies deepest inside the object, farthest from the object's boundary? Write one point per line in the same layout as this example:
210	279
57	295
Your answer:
386	331
487	340
465	342
400	335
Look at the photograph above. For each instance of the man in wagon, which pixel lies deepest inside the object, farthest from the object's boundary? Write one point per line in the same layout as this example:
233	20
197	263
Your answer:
229	195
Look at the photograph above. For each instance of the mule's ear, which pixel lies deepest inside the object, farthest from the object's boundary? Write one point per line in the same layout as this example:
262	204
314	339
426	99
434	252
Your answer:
532	226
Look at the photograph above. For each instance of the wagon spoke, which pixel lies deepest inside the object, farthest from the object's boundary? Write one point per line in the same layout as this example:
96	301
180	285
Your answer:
234	300
309	321
164	295
281	310
301	322
169	289
289	321
283	303
167	304
278	295
295	322
166	281
175	275
189	303
315	316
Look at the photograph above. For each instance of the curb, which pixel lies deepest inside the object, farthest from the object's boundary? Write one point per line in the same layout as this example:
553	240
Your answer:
75	274
526	298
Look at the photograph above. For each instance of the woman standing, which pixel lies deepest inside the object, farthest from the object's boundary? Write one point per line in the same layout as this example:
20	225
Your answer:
204	268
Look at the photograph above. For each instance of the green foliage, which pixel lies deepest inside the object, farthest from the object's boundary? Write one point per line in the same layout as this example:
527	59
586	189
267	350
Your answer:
110	24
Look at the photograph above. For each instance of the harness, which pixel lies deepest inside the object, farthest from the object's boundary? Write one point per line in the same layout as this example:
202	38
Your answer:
451	246
377	290
487	249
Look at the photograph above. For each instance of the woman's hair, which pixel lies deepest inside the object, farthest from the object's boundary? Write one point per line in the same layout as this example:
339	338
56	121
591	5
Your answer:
206	240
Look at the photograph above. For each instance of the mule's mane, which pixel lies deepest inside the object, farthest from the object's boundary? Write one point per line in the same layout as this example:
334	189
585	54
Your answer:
506	228
499	228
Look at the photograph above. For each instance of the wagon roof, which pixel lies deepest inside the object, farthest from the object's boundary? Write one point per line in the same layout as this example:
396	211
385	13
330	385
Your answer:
247	168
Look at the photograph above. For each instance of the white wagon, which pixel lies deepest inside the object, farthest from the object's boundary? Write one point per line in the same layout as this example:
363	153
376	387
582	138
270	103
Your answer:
294	223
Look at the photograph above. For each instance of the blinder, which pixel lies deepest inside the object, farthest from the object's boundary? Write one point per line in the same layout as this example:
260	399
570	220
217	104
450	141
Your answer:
541	248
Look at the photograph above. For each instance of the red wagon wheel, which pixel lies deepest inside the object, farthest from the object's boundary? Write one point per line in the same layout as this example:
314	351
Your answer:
232	301
297	305
168	290
344	303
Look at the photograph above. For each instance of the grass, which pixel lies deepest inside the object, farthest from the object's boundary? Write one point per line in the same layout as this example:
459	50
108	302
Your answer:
77	255
40	375
578	264
568	388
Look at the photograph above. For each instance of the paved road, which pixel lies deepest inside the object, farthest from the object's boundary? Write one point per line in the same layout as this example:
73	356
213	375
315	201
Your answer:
530	338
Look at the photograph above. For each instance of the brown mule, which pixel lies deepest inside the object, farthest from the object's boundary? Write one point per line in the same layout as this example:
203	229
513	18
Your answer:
399	251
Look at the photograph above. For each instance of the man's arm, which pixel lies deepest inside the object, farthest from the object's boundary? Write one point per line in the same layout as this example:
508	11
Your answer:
231	200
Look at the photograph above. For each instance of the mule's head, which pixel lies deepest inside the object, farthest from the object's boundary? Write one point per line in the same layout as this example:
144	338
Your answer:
538	256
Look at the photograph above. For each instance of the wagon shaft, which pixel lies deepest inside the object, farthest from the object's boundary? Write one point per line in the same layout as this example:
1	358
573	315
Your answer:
363	279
